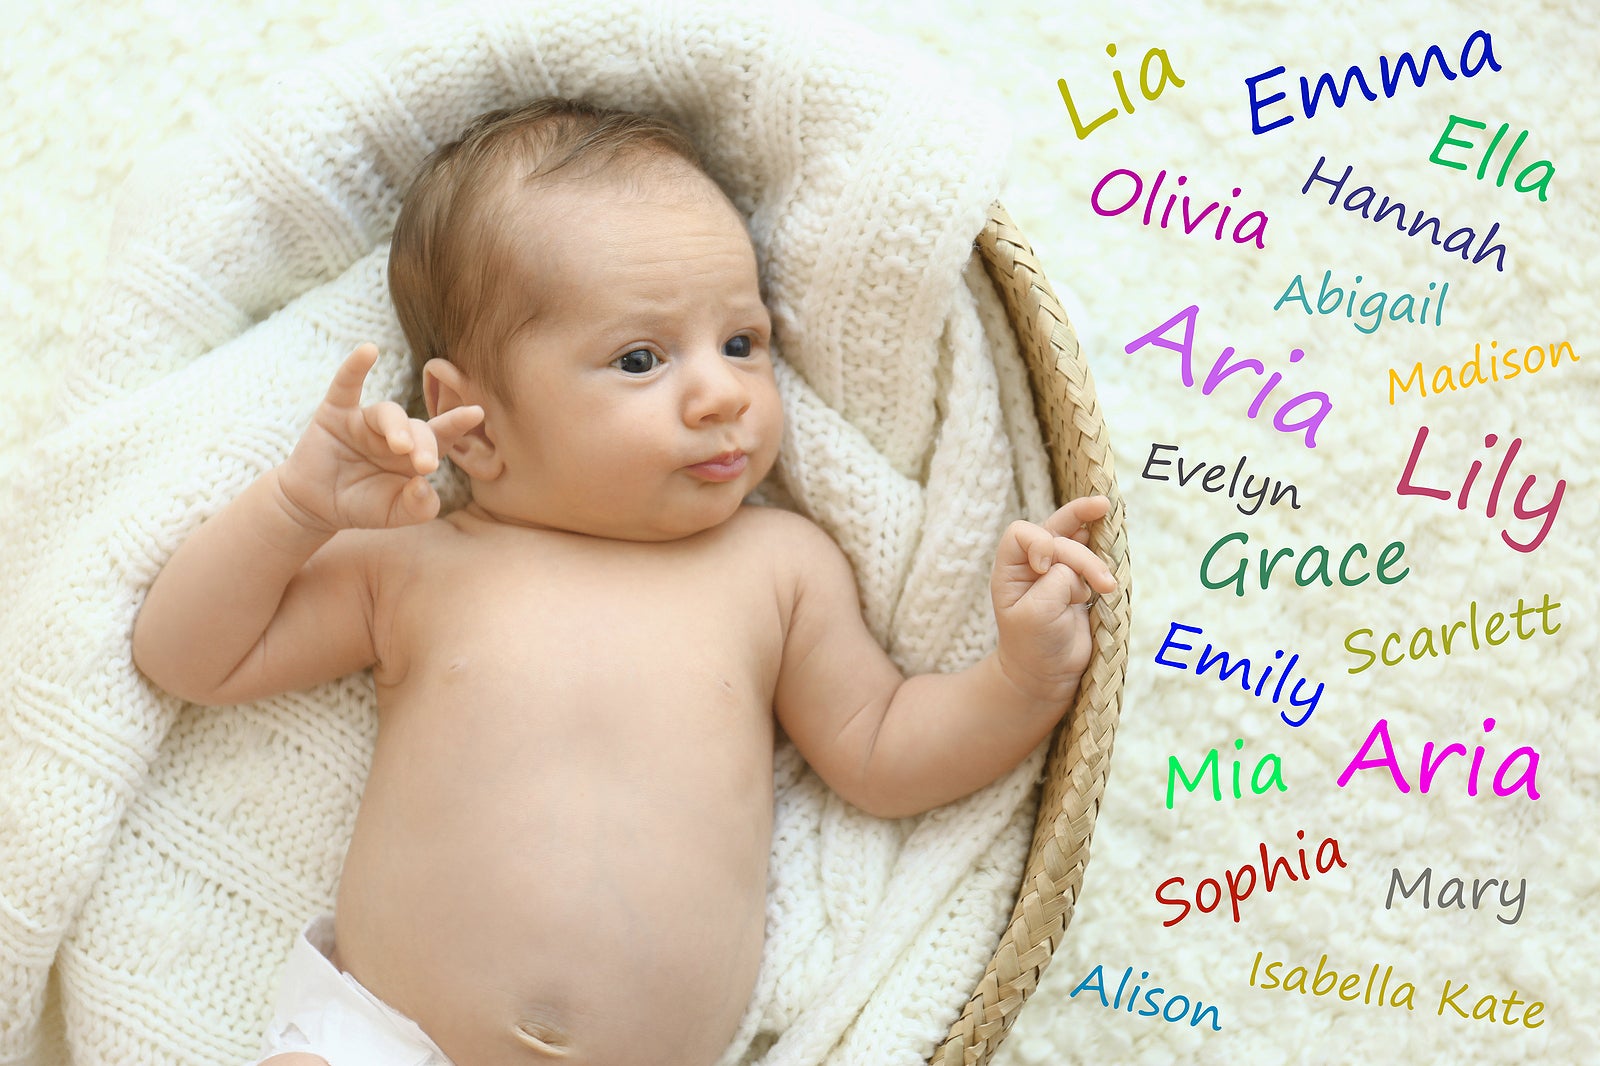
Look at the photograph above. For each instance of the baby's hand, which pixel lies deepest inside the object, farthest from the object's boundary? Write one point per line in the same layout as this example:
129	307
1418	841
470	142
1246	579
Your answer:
1042	582
362	467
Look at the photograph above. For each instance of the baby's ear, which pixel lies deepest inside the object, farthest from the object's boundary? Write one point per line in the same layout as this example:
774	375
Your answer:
444	388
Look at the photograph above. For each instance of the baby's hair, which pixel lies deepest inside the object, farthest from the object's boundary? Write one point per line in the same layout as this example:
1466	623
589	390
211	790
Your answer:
448	249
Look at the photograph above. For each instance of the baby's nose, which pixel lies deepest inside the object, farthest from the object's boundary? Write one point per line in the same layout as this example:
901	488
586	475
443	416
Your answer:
717	391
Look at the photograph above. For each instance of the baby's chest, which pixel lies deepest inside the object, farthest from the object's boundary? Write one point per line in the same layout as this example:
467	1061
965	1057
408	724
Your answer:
590	632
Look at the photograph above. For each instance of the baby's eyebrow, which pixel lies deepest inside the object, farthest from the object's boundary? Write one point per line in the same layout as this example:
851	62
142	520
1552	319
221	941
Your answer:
754	306
758	310
650	319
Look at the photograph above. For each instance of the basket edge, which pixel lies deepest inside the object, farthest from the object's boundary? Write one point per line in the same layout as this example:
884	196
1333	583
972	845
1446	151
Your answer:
1070	799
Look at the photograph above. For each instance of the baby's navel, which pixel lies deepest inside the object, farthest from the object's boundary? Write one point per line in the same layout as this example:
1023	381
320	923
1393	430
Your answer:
543	1038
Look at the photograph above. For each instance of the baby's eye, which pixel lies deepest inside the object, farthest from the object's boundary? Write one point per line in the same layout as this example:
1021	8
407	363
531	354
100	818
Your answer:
638	361
737	347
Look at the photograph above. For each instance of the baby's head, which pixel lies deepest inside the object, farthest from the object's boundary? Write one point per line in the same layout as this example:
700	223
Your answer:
575	272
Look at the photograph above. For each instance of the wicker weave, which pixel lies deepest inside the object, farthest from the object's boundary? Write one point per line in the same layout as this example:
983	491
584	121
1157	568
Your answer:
1080	753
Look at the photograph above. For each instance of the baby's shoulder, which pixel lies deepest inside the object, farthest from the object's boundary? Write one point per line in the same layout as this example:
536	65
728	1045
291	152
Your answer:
801	553
783	533
406	540
392	557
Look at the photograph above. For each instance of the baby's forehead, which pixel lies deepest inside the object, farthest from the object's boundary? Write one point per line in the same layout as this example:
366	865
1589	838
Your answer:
524	213
633	176
546	235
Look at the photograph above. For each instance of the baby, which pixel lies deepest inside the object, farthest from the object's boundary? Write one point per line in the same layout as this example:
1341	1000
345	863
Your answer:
562	847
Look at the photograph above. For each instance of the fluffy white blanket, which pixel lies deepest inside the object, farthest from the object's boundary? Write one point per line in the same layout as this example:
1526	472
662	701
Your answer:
156	859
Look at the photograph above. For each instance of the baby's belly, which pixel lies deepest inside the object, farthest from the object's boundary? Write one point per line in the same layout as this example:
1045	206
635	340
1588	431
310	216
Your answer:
592	878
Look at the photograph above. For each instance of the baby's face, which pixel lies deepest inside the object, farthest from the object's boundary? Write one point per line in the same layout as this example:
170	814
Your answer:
644	404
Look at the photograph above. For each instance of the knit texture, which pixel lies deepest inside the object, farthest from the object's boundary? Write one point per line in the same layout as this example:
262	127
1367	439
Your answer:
157	859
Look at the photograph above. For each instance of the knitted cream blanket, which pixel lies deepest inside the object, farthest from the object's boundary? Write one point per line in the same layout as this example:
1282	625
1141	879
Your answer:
157	859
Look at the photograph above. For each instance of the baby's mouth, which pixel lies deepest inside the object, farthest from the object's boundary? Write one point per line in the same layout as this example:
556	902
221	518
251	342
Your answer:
724	467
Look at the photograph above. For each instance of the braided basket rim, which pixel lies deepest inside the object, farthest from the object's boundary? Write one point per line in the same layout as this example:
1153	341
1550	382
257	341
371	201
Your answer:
1081	463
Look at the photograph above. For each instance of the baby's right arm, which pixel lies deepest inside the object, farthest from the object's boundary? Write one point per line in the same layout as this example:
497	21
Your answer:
263	598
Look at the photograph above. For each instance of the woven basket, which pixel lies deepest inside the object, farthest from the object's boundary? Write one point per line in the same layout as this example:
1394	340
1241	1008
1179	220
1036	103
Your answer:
1080	752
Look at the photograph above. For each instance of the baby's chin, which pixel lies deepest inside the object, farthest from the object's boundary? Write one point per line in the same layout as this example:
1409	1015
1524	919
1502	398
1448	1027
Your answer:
683	524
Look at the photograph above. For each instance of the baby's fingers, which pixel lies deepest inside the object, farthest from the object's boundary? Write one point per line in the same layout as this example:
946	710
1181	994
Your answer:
390	421
403	435
1061	585
419	500
1083	561
345	390
455	424
1074	516
1022	552
1039	547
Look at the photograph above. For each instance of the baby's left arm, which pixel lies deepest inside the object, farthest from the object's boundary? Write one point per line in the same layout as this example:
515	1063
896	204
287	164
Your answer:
895	746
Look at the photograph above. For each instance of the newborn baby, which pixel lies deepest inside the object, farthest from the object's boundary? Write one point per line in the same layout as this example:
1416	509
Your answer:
562	848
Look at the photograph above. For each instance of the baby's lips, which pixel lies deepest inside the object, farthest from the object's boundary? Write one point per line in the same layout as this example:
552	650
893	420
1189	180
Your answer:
723	467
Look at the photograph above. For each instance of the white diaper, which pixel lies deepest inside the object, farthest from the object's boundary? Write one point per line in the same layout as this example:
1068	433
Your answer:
328	1013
